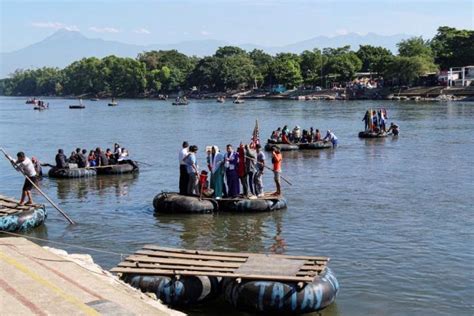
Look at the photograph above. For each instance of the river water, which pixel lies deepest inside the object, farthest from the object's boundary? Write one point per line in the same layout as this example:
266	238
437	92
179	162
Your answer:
395	215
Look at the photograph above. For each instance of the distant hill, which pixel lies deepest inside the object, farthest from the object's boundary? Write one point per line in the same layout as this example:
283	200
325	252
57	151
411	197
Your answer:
64	47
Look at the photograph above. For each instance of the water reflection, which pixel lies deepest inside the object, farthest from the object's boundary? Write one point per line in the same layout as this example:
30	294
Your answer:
233	232
101	186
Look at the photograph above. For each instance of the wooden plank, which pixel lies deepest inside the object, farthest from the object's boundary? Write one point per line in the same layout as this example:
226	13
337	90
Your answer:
188	256
184	262
9	211
216	274
172	267
230	254
8	199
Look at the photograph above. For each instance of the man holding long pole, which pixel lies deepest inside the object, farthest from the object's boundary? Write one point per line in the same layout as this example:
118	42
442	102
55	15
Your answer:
25	165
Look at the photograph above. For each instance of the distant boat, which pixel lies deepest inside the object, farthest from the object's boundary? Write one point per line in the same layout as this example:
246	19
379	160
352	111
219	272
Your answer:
32	101
239	101
113	103
95	99
220	100
41	105
78	106
181	103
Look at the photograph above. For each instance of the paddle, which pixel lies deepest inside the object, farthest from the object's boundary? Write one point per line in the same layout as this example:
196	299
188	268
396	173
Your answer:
286	180
37	188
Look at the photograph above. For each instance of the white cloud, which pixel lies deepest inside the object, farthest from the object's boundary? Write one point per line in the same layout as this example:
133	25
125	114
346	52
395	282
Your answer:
55	26
106	29
142	31
205	33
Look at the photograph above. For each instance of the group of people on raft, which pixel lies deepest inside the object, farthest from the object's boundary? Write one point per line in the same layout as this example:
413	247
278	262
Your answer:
96	158
228	171
299	136
375	122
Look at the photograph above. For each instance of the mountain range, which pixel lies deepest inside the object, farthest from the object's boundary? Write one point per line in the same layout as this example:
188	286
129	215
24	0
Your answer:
63	47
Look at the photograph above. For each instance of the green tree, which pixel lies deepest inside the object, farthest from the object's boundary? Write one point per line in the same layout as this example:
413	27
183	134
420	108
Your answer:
341	63
311	64
406	70
452	47
236	71
374	58
286	70
85	76
262	62
415	47
227	51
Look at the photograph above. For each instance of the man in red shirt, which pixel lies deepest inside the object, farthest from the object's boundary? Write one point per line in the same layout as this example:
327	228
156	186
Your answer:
276	160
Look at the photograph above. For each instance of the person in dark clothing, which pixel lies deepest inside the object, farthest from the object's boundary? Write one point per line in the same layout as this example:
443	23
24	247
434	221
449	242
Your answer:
183	173
101	157
250	158
82	159
61	159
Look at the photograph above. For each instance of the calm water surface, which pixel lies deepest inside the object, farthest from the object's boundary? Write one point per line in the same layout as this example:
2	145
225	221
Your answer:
395	215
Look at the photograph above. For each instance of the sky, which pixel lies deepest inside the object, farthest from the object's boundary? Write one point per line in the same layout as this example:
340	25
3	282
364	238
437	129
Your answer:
262	22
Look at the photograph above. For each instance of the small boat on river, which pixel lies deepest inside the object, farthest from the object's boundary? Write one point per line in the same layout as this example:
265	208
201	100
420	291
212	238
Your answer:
167	202
220	100
370	134
78	106
73	173
251	282
238	101
298	146
20	218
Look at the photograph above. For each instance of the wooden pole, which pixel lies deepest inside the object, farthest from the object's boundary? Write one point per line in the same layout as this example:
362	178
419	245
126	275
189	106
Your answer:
39	190
286	180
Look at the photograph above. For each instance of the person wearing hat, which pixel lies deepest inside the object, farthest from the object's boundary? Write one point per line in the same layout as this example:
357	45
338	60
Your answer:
331	137
276	160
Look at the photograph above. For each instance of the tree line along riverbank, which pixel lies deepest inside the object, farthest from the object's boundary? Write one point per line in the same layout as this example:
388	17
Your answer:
232	69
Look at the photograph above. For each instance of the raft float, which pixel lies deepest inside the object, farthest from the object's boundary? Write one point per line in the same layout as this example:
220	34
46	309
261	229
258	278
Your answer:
255	283
369	134
20	218
71	173
298	146
170	202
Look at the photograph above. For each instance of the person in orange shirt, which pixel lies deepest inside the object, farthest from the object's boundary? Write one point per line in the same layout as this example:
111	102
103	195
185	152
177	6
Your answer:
276	160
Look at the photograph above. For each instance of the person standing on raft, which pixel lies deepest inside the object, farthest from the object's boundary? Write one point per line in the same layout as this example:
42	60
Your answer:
25	165
183	172
258	178
192	169
231	160
276	160
216	162
242	170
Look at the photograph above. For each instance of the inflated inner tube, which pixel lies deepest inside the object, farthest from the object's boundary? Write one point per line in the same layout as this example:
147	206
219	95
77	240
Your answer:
274	297
188	290
176	203
71	173
23	221
367	134
251	205
315	145
283	147
118	169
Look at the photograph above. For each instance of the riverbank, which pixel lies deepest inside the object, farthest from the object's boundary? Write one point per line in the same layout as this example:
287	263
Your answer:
421	93
45	280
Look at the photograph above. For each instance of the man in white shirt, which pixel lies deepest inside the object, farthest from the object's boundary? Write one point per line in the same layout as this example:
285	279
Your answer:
183	172
25	165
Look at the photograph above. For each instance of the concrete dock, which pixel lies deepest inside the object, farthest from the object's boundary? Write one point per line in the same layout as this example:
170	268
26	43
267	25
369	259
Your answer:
34	280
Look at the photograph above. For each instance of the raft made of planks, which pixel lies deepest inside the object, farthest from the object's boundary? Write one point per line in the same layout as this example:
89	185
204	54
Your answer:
9	206
155	260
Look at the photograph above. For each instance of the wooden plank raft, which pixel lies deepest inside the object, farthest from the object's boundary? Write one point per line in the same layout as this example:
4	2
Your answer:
9	206
156	260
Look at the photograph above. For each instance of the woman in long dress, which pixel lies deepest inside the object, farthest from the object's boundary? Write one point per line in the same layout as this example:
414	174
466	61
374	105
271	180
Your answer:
216	161
231	161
